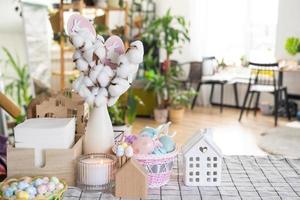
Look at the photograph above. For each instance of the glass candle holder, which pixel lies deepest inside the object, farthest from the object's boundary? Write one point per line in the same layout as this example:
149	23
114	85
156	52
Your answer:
96	172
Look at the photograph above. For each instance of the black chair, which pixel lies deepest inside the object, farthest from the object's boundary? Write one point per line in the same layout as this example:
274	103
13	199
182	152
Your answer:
264	78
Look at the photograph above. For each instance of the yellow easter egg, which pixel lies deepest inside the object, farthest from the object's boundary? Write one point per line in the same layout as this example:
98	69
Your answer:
22	195
124	145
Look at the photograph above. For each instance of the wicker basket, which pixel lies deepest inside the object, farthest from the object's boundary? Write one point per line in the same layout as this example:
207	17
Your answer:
159	167
57	196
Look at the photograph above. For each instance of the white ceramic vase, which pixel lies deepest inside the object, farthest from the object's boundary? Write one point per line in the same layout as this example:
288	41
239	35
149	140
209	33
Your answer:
99	136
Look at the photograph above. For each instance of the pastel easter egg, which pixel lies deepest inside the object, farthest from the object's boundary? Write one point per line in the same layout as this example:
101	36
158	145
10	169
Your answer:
54	179
46	179
42	189
59	186
129	139
51	186
168	143
22	195
120	151
23	185
27	179
4	187
38	182
143	145
148	131
124	145
8	192
14	184
129	152
31	191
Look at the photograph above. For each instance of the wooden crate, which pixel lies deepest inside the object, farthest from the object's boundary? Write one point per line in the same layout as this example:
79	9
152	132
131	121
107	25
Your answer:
58	162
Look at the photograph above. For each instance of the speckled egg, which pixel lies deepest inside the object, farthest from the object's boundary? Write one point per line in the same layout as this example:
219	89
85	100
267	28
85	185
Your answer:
42	189
23	185
38	182
54	180
22	195
50	186
8	192
31	191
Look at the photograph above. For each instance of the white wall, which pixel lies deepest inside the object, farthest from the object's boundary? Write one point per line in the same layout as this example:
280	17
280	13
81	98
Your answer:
288	25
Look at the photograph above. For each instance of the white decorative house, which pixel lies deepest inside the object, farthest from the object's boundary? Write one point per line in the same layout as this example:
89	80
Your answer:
202	160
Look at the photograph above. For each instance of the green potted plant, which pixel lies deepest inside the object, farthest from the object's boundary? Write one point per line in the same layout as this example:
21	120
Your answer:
18	85
179	100
123	113
169	33
292	45
158	84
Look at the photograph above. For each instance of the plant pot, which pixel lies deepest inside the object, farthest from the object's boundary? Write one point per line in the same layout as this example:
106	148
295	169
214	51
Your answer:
176	115
160	115
99	136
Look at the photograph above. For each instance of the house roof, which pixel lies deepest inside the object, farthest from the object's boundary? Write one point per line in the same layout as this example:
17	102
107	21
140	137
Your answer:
203	134
134	163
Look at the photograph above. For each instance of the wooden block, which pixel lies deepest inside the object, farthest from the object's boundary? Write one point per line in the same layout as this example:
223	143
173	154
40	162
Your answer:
59	162
132	181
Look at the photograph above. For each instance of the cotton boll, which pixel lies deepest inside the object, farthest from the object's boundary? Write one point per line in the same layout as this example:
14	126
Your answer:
87	45
99	38
78	82
77	40
118	86
122	72
123	60
95	90
87	81
88	55
90	99
76	55
82	65
105	76
95	72
135	52
101	97
84	91
112	101
100	52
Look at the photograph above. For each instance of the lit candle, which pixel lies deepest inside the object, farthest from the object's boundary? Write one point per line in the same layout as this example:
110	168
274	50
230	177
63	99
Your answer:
96	170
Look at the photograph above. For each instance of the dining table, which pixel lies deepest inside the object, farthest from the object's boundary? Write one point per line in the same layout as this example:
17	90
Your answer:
243	177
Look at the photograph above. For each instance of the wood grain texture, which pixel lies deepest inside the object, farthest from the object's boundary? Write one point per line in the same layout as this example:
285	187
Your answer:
233	137
9	106
131	181
59	162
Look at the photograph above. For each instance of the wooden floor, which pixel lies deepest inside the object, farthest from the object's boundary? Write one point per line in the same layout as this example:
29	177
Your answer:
233	137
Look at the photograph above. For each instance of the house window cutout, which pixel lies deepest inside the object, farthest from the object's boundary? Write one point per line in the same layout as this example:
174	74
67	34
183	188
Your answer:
191	165
208	179
208	173
214	179
51	115
214	173
197	165
191	173
208	159
215	158
197	173
197	158
191	159
191	180
215	165
208	165
197	179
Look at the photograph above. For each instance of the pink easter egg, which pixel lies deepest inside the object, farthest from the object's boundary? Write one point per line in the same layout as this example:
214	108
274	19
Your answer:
114	48
82	22
42	189
143	145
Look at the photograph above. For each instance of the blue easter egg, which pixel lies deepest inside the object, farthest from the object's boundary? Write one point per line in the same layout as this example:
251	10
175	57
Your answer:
23	185
31	191
38	182
8	192
168	143
148	131
160	151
